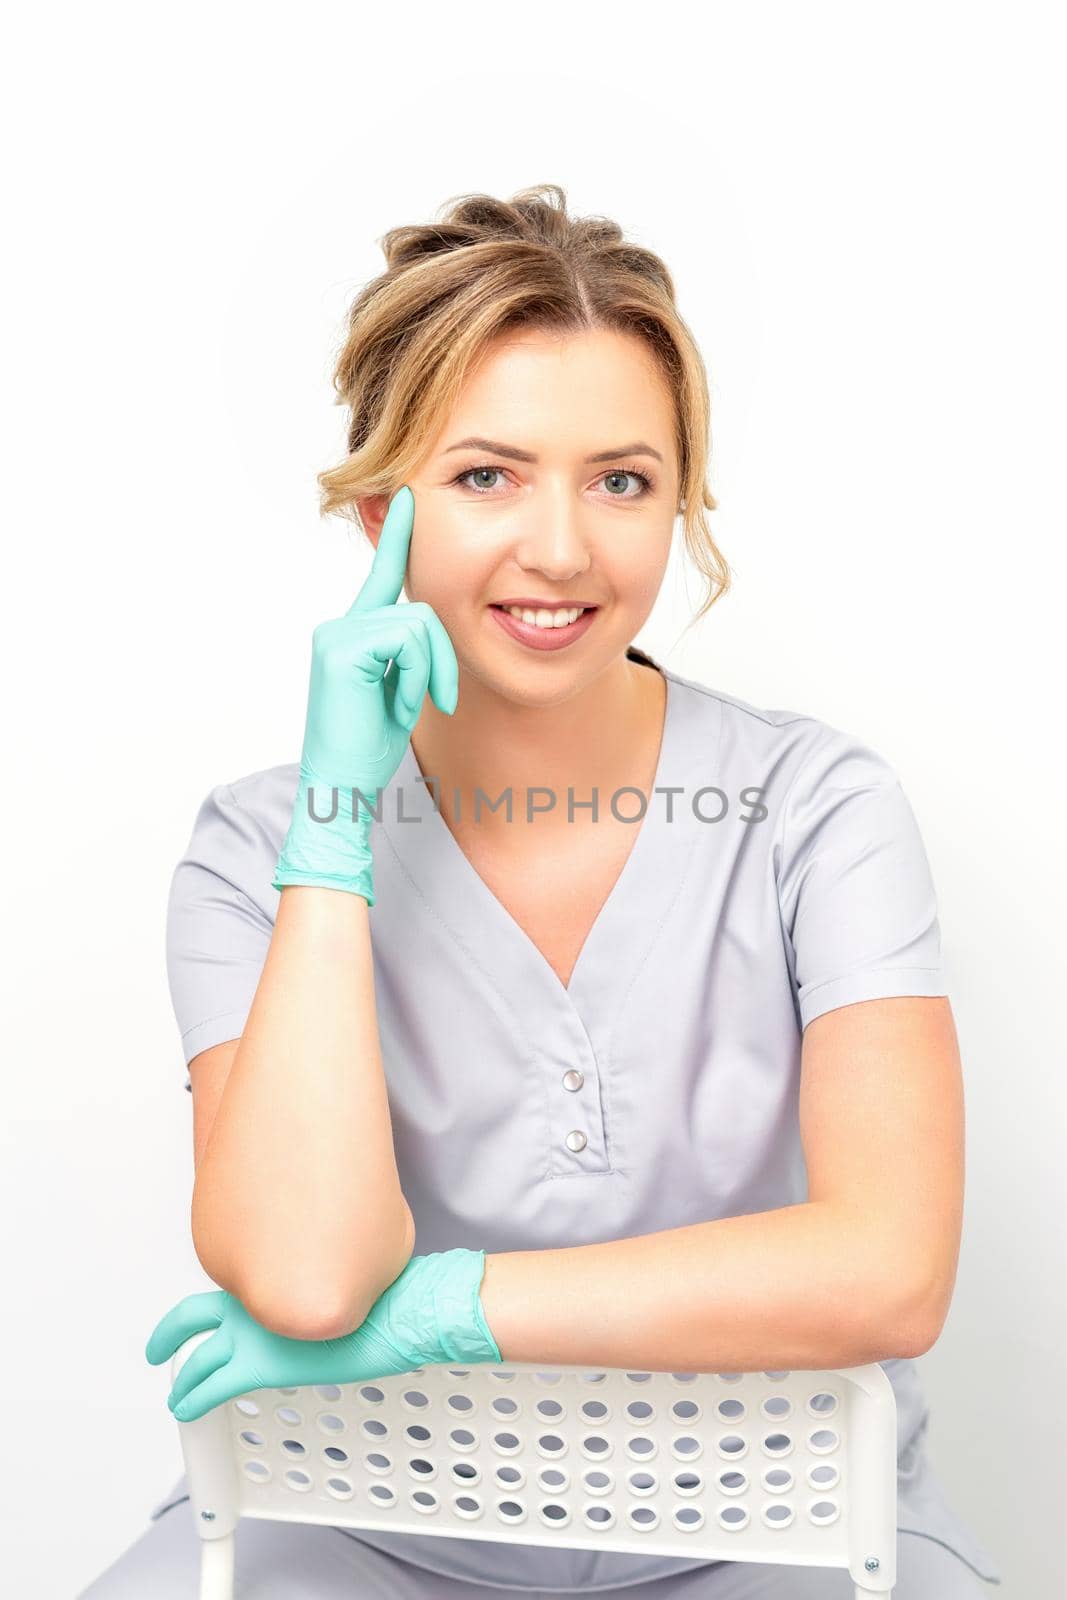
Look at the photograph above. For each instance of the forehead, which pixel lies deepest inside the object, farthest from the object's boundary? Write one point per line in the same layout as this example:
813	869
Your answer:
554	390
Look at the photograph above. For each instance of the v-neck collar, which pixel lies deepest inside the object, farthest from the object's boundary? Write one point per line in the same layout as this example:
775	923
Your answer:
618	942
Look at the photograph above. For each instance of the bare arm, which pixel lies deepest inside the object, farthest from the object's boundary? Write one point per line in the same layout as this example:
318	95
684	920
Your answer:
297	1207
861	1271
771	1291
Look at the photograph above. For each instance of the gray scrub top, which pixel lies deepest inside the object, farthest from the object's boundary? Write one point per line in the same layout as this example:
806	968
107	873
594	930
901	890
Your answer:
674	1051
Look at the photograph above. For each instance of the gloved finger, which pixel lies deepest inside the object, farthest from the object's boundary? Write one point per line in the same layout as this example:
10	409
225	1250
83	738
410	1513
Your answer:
222	1385
205	1360
195	1314
444	668
385	579
403	640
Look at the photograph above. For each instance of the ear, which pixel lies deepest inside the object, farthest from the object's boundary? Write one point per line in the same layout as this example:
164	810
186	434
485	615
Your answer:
372	509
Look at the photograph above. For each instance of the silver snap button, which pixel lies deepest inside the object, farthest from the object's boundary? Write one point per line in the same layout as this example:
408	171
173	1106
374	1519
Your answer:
576	1140
573	1079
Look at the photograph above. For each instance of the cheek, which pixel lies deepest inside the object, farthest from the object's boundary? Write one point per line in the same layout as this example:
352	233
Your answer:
638	576
446	568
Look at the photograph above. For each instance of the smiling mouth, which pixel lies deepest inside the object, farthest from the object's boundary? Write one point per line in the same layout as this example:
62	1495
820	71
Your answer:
544	616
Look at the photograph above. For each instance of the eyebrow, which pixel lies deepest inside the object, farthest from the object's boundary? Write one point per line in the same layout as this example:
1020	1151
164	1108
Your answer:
637	449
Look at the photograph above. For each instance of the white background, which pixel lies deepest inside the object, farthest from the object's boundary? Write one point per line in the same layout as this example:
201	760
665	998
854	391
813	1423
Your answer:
862	207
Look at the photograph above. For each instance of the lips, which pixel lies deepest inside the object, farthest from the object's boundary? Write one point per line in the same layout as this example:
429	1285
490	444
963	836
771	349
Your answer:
526	604
528	633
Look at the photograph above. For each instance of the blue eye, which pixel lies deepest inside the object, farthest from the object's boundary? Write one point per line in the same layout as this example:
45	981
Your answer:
462	479
631	472
645	481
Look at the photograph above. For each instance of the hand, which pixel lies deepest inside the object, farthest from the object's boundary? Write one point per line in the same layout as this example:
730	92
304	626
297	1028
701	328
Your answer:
370	671
430	1314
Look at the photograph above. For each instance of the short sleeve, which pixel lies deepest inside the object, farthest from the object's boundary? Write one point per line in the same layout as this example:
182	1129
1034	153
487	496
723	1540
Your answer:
220	918
858	904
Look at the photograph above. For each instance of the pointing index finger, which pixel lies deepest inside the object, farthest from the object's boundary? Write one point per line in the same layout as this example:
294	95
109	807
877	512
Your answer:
386	577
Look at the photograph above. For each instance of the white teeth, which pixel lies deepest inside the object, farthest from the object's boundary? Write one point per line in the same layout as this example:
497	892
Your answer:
546	619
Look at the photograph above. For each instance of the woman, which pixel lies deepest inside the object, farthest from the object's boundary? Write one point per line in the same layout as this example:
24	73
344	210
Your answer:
675	1024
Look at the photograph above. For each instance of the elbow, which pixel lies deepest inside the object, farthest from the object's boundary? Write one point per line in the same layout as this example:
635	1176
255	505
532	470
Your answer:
325	1306
301	1314
321	1312
926	1321
920	1337
904	1327
927	1310
343	1314
309	1310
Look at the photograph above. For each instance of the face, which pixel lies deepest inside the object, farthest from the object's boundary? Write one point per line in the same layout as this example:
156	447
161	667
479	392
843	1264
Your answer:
533	517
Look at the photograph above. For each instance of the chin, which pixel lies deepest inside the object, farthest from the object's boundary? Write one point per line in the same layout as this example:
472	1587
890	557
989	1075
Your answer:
543	682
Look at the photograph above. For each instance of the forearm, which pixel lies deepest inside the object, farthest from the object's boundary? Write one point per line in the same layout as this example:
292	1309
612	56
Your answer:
792	1289
297	1206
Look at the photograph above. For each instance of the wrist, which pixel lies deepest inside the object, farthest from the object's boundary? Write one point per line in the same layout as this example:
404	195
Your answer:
328	842
465	1334
438	1311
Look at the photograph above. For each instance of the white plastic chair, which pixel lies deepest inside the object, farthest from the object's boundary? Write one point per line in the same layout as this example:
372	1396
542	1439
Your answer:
797	1468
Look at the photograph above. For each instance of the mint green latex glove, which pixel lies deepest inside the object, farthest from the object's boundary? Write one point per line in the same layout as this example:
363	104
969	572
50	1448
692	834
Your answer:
370	670
430	1315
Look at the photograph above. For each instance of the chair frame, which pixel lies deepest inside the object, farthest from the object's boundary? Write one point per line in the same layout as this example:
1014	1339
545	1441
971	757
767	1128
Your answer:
604	1434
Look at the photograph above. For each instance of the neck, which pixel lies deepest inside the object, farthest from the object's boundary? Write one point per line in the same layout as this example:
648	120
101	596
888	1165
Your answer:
603	737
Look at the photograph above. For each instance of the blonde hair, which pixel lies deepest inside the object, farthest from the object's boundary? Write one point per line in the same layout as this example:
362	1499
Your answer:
487	267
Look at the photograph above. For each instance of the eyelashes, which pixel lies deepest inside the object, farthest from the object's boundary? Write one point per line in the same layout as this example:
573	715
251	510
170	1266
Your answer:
647	483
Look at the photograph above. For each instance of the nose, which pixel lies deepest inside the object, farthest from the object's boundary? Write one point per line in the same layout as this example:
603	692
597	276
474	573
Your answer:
552	534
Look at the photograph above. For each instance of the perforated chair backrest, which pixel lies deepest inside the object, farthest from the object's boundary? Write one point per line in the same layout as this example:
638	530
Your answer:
796	1468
